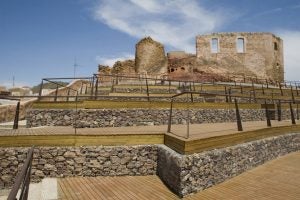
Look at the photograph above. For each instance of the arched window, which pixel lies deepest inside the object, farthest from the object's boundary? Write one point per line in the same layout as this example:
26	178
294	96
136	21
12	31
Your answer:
214	45
240	45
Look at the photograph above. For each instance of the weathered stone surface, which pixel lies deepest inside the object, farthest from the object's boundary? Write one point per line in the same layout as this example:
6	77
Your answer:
262	54
89	118
150	57
78	161
192	173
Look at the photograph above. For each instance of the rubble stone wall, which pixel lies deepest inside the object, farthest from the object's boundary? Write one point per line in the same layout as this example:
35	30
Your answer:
186	174
92	118
78	161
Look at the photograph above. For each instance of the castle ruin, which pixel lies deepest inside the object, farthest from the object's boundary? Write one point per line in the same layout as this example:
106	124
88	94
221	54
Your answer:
218	56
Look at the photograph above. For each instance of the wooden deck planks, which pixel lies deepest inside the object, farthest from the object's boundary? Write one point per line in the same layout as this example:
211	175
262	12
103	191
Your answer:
276	180
114	188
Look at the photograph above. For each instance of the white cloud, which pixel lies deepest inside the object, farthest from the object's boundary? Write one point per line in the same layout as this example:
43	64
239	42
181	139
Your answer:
174	23
110	61
291	48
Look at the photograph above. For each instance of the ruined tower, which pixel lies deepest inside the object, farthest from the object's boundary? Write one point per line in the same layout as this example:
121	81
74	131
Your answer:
150	57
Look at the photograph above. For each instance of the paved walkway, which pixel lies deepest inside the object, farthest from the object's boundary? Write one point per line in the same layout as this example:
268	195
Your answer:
197	131
277	179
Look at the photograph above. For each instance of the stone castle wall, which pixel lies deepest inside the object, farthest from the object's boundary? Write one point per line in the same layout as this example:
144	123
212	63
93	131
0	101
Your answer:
92	118
262	55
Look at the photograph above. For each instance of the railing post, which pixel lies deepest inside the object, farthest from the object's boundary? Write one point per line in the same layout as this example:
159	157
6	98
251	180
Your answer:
23	179
226	95
92	85
16	121
293	97
147	88
292	114
238	117
170	117
76	113
262	88
297	111
253	91
86	88
281	92
81	86
229	93
279	110
267	115
96	89
188	124
56	93
68	94
169	86
41	89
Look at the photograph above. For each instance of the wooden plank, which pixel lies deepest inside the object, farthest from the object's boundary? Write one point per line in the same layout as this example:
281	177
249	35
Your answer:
79	140
277	179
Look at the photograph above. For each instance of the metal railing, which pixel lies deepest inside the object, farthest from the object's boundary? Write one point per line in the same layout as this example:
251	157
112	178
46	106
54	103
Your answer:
251	86
17	112
67	97
234	99
22	180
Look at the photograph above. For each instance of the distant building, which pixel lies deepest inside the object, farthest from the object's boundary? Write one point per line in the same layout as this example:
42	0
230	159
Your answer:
20	91
3	91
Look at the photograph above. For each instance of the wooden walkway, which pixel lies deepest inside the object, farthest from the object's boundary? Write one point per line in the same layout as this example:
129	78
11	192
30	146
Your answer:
277	179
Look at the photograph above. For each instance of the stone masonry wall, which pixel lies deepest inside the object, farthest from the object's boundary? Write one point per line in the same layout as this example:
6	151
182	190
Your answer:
262	55
78	161
91	118
186	174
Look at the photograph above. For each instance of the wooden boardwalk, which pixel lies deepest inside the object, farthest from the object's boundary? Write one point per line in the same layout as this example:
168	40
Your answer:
277	179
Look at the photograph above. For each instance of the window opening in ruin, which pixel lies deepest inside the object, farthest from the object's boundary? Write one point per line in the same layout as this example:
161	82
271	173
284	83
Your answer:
214	45
240	45
182	68
275	46
172	69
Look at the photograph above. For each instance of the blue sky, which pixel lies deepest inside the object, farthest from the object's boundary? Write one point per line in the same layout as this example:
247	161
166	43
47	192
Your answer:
41	38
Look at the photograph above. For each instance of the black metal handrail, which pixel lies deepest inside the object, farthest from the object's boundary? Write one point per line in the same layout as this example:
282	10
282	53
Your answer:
17	113
23	179
238	118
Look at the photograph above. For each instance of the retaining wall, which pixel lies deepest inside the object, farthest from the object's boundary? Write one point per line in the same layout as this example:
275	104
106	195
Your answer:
78	161
92	118
186	174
